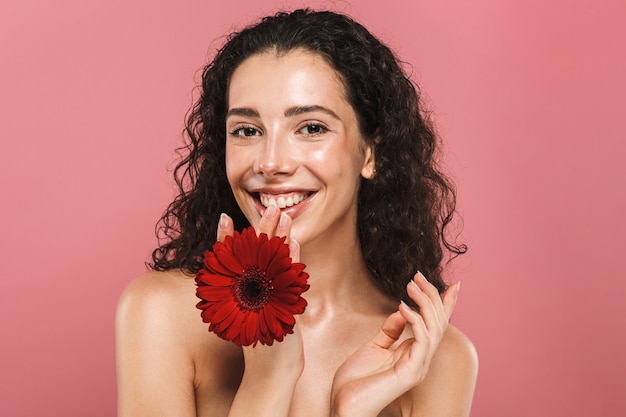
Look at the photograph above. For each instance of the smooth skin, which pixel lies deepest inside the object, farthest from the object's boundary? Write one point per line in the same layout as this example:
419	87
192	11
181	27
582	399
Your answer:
354	351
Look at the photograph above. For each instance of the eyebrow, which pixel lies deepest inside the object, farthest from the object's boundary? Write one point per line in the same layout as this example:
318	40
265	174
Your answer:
290	112
242	111
294	111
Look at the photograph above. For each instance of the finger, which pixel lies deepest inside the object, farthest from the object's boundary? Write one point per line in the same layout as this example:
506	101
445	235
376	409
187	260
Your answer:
417	352
427	307
284	226
225	227
433	294
426	286
269	220
450	297
390	331
294	250
416	321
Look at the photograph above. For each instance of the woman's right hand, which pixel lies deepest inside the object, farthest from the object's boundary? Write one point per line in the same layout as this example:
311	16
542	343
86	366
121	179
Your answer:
380	372
271	372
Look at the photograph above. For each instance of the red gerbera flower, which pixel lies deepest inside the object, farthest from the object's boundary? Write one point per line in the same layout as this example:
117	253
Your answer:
250	290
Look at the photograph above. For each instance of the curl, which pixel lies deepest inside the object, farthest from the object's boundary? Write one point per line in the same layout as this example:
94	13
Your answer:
404	212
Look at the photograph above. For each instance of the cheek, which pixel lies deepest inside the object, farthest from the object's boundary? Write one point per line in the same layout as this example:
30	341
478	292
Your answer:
319	156
326	165
232	167
337	161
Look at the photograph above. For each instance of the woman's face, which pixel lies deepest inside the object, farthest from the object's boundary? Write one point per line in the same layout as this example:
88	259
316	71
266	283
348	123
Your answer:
293	137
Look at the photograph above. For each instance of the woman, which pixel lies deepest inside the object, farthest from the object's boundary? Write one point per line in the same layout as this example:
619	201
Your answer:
306	128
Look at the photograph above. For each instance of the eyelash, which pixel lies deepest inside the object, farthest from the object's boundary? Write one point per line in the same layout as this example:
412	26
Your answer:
321	127
239	131
250	131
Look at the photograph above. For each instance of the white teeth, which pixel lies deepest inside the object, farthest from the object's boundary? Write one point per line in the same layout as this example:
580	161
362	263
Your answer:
283	202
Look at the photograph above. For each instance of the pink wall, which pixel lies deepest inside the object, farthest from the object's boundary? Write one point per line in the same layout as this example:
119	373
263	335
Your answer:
528	95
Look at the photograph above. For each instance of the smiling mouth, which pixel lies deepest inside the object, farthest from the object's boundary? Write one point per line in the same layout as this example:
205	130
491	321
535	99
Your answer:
284	200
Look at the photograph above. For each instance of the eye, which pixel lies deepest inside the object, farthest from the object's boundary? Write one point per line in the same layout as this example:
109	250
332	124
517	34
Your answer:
312	129
245	132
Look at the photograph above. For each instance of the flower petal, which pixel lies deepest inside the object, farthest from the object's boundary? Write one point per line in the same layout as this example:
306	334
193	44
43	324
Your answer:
248	330
276	249
285	297
233	330
224	312
226	258
284	314
272	321
278	266
210	293
213	264
246	248
247	256
210	278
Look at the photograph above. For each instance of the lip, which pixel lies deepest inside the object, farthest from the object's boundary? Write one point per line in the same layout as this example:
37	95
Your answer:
293	211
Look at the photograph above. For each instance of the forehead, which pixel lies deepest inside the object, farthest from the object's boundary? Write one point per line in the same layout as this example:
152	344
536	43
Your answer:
299	73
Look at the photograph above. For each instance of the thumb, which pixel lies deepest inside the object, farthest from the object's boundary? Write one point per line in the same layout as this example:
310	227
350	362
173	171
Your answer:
294	250
450	297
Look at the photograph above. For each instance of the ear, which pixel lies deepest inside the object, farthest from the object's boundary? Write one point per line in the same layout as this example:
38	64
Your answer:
368	171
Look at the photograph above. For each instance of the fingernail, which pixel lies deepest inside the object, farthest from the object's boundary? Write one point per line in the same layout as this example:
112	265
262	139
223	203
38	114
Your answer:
272	210
284	220
293	246
421	276
414	285
405	306
223	221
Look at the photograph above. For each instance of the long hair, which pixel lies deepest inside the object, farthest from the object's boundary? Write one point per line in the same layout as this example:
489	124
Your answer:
403	212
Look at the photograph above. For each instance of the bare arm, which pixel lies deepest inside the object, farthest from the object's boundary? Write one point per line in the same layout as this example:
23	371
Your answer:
154	368
433	371
271	372
448	388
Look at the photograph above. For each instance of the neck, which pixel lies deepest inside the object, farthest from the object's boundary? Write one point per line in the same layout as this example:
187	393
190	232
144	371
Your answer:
340	280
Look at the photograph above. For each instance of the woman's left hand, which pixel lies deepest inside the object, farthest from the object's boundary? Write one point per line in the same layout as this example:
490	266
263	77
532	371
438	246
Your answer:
378	373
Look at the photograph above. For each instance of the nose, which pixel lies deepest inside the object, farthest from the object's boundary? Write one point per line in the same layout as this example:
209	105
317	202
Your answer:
275	157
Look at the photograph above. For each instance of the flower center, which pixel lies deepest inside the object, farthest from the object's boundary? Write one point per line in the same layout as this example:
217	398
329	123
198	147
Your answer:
252	289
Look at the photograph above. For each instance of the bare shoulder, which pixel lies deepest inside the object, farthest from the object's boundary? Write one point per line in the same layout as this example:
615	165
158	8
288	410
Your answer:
163	299
158	309
448	388
456	351
166	289
154	311
157	284
158	332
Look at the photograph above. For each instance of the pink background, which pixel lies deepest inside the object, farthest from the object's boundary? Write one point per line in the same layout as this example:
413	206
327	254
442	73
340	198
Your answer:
528	94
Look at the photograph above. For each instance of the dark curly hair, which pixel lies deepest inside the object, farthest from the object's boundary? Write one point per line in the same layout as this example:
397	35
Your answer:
403	212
